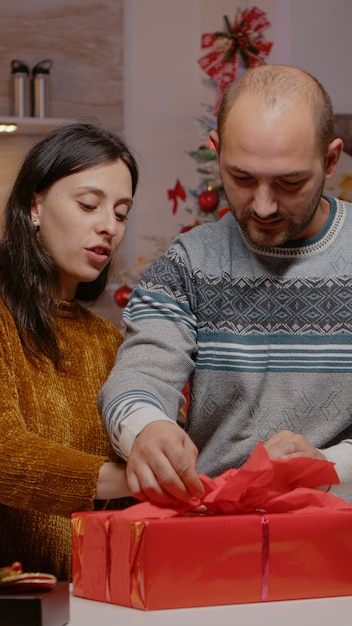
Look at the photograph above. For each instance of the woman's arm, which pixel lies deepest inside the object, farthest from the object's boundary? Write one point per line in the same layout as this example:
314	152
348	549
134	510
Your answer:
112	482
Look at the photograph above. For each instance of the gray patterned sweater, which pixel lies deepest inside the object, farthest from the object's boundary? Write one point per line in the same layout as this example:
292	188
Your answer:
263	335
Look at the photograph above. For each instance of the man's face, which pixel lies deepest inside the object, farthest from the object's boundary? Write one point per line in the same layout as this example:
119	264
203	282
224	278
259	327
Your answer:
272	172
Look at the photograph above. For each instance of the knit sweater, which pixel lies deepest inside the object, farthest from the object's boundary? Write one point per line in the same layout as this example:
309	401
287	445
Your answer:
52	441
263	335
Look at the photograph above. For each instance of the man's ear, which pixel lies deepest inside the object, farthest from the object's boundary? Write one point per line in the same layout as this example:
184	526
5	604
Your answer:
334	151
214	138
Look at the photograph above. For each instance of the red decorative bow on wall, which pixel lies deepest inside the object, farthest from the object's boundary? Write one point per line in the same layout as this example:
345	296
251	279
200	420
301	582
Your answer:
236	49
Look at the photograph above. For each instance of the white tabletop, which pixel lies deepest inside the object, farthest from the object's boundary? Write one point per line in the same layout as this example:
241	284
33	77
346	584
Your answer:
323	612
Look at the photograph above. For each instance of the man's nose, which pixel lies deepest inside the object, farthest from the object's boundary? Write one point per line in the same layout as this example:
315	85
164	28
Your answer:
265	203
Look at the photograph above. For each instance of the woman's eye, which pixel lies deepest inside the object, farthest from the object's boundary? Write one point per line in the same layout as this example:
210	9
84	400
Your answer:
120	217
86	206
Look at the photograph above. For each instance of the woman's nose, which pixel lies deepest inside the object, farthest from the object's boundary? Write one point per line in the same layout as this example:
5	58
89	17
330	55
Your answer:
109	223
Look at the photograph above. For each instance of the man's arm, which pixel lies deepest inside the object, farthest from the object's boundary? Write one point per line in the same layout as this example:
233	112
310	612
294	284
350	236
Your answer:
341	456
286	444
141	399
161	466
161	457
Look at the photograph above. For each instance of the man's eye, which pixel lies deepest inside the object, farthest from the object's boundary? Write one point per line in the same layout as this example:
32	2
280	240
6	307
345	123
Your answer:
243	180
290	184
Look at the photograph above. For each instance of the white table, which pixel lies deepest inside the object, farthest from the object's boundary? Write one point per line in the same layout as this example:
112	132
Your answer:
322	612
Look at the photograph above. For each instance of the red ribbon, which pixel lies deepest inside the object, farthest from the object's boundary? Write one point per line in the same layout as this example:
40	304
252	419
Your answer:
239	47
265	558
175	193
261	485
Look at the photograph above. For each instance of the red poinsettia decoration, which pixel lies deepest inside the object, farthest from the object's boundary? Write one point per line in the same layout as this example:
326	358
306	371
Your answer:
238	48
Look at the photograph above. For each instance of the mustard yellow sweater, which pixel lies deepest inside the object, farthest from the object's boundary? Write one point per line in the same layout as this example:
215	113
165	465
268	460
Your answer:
52	441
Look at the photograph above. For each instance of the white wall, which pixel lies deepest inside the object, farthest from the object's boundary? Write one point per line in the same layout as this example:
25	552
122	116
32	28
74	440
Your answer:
322	45
164	90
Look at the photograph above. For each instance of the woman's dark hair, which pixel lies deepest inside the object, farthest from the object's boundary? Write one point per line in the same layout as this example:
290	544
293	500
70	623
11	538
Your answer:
29	281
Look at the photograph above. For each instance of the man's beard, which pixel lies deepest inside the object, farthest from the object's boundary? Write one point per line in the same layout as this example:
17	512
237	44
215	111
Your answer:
264	239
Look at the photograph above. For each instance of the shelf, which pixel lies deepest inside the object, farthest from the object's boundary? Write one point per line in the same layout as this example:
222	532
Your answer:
30	125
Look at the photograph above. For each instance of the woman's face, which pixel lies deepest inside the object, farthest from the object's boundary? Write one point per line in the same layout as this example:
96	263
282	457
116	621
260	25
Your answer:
82	220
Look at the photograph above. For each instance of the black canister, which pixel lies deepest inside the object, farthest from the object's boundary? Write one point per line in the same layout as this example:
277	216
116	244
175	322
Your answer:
41	89
20	103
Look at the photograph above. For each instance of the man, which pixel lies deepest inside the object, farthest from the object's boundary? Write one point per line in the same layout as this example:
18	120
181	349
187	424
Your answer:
255	309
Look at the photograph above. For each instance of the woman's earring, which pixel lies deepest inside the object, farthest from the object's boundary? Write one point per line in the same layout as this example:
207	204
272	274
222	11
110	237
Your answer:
35	226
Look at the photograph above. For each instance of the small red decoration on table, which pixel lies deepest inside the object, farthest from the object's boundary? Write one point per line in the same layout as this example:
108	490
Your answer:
12	578
208	200
122	296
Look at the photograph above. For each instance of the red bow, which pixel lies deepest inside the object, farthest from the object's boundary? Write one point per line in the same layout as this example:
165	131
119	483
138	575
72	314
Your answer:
261	485
236	49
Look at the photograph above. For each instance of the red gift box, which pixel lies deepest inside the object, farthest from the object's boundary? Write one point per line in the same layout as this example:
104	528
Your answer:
267	535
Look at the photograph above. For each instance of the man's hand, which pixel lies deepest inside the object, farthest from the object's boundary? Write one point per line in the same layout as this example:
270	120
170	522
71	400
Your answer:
285	444
162	464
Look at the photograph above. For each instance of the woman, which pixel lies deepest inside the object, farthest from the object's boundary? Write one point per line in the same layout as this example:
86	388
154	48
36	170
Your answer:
64	219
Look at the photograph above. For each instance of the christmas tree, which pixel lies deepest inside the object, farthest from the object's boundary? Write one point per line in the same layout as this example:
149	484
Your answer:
207	201
229	54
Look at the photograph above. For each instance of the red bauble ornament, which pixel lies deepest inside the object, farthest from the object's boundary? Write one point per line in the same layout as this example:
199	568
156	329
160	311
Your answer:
208	200
122	296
